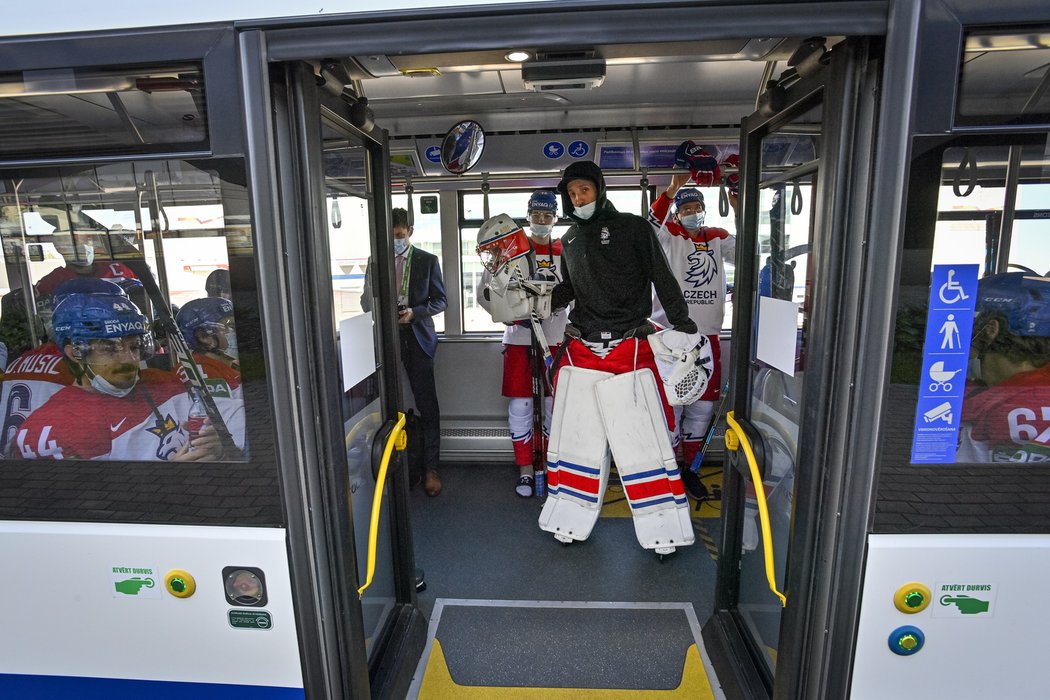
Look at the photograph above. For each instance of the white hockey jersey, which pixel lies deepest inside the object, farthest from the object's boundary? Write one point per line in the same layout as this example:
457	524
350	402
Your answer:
697	263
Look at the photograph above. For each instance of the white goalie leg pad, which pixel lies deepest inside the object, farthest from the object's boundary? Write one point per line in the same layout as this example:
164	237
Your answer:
519	419
577	457
633	415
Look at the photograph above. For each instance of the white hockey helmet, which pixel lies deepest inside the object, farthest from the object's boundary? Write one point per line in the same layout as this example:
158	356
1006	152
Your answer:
685	363
500	242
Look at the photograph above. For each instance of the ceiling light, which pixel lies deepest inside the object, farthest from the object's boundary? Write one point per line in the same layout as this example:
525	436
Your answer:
518	56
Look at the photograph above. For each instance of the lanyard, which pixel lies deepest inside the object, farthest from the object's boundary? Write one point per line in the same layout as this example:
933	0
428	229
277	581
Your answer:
403	293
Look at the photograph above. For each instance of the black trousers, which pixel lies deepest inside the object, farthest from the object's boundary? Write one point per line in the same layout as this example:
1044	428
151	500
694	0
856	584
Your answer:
420	369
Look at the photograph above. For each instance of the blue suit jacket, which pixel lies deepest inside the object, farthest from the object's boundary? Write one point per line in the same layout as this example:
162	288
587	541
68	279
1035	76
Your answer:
426	297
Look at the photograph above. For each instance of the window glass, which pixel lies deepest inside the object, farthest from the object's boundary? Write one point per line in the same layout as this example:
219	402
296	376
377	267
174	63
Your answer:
967	417
114	274
88	111
426	235
1001	78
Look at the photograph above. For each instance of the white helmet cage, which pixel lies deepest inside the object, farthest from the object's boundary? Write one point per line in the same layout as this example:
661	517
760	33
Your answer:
686	371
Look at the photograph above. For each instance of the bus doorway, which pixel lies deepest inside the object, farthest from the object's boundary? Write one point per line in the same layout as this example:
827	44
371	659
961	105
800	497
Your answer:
333	169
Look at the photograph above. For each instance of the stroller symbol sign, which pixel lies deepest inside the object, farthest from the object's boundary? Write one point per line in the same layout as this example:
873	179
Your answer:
942	379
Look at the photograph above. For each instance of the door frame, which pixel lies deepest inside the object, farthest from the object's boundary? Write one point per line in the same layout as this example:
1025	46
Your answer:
846	87
285	178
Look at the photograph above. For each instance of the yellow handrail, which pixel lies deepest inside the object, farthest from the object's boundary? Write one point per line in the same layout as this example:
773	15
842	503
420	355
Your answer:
735	439
398	439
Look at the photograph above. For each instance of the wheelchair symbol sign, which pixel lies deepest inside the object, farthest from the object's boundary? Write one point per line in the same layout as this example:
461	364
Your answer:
433	154
952	291
579	149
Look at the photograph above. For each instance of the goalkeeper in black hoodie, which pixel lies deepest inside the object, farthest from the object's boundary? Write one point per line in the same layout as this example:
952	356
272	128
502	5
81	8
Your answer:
611	261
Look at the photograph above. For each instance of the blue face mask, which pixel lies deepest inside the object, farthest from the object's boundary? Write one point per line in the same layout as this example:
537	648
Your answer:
400	246
586	211
693	221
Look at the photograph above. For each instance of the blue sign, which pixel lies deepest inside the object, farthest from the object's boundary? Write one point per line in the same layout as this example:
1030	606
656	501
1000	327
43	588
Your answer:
657	155
945	357
579	149
433	154
615	157
553	149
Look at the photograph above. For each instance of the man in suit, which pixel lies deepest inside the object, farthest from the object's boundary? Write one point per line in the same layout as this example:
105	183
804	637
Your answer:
419	298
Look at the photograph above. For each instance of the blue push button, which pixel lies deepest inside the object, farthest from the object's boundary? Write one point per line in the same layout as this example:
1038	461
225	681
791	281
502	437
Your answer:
906	640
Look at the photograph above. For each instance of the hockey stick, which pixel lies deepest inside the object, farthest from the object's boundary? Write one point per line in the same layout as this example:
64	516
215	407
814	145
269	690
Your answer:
539	459
165	322
699	459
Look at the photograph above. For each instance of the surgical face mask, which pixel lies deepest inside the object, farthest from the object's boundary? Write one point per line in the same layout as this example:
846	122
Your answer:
693	221
102	386
231	343
586	211
541	230
400	246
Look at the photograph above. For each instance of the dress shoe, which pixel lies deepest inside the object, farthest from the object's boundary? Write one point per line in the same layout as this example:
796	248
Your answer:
432	484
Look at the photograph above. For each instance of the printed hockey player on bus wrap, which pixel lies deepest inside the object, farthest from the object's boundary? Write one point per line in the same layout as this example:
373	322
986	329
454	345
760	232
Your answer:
1006	411
114	410
541	261
608	393
697	255
39	373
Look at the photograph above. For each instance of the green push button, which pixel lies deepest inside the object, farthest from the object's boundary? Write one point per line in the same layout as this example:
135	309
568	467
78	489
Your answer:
914	599
178	585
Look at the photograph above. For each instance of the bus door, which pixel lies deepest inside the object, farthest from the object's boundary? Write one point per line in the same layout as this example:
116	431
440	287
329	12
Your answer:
334	178
797	154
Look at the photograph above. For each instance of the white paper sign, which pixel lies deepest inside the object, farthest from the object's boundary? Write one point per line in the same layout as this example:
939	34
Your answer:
357	348
777	333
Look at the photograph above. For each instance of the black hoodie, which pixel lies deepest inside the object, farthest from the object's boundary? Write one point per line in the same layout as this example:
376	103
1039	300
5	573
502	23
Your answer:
610	263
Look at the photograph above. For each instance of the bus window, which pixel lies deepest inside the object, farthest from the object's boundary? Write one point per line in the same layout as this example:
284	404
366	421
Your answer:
135	273
967	435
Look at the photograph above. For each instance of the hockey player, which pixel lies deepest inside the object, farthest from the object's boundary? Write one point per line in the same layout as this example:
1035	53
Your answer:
114	409
41	372
697	255
1005	413
543	260
79	254
207	325
607	395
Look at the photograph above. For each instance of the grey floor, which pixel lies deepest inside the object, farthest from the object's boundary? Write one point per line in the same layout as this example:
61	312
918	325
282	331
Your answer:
478	540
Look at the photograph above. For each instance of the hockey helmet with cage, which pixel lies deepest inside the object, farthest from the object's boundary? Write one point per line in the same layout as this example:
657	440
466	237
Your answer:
500	242
210	314
1021	298
81	318
685	363
45	306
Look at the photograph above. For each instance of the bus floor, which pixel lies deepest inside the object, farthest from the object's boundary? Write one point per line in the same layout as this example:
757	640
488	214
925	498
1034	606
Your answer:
516	614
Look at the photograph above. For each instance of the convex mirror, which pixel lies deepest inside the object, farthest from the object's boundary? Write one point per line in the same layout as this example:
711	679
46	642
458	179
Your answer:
461	150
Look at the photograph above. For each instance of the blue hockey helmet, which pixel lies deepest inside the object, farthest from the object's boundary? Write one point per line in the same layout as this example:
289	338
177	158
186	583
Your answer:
81	318
543	200
211	314
687	195
45	306
1021	298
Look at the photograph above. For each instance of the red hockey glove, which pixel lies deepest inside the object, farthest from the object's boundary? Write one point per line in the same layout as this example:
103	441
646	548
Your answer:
701	165
732	180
